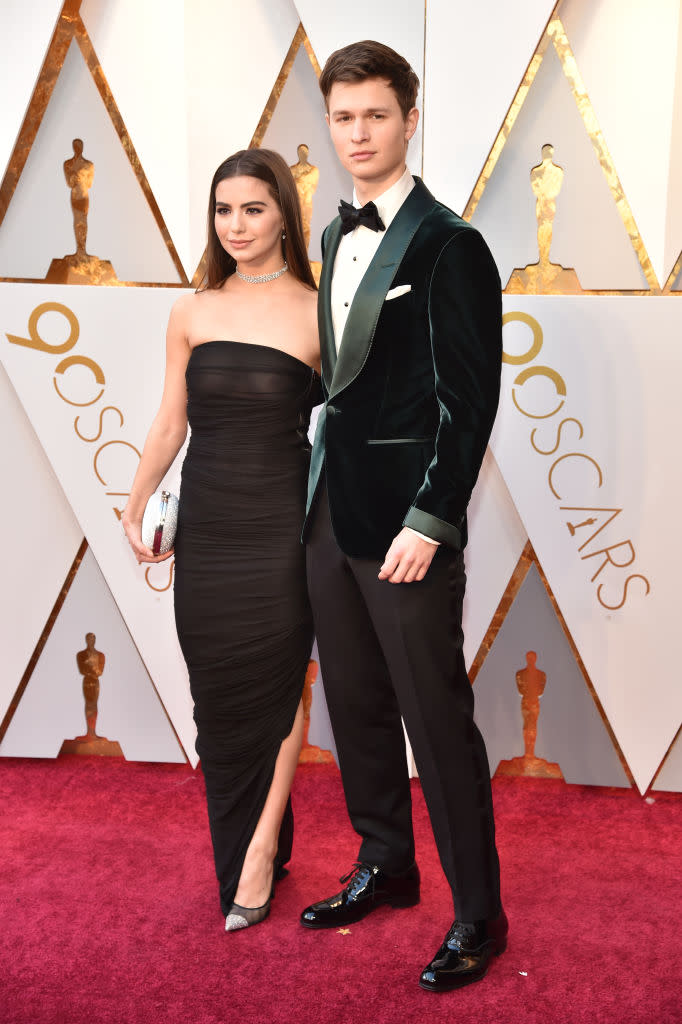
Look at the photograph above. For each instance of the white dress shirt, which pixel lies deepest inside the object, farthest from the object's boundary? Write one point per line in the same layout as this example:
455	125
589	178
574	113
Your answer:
356	252
353	257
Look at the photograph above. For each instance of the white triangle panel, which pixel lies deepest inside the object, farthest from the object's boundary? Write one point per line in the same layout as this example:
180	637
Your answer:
496	541
476	57
53	710
588	232
24	39
570	730
40	540
397	23
191	94
320	733
629	57
669	778
121	226
299	118
119	342
598	435
145	69
677	282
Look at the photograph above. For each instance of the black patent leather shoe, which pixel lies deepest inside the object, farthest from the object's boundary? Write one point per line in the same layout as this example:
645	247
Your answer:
366	888
465	954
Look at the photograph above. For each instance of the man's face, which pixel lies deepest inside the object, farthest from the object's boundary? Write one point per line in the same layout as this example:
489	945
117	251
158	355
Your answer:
368	130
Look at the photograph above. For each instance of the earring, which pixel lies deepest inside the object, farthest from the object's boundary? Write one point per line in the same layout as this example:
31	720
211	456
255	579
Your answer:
284	235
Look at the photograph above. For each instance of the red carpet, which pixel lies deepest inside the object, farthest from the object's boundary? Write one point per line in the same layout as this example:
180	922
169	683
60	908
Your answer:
110	912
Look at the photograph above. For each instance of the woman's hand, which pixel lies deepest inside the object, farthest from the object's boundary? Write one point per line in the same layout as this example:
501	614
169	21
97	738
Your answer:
133	531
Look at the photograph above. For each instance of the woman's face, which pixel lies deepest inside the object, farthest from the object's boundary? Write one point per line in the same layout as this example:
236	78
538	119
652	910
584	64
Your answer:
248	222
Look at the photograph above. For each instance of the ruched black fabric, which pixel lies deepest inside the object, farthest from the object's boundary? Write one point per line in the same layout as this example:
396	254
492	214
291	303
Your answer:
241	606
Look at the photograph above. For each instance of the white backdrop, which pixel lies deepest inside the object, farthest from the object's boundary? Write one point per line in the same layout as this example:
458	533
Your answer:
163	109
91	402
583	441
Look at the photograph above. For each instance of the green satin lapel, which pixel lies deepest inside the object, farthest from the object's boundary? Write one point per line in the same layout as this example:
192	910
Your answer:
369	298
324	305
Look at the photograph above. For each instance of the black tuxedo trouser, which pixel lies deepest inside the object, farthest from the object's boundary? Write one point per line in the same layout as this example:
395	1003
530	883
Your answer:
390	651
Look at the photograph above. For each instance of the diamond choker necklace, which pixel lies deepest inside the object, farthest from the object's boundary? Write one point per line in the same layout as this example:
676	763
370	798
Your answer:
261	278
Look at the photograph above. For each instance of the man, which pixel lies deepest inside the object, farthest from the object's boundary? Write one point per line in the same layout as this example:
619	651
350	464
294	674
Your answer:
410	325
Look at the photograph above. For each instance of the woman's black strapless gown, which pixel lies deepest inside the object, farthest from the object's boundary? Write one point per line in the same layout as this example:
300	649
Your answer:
241	606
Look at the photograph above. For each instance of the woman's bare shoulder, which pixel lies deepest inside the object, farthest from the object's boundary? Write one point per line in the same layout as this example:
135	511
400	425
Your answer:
182	306
305	295
308	310
190	303
310	299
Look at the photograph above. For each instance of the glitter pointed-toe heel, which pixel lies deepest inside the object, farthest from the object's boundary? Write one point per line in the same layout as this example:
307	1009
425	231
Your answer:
244	917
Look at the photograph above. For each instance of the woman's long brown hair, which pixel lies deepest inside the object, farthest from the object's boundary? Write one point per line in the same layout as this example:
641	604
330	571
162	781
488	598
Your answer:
271	168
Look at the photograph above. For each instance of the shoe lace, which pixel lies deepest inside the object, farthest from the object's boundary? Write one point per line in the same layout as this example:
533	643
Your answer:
459	933
358	876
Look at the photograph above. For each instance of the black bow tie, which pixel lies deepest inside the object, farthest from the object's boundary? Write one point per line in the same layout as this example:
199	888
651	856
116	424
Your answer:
367	215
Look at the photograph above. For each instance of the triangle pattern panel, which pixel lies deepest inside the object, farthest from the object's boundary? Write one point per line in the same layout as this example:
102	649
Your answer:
397	23
41	537
677	283
145	70
630	65
669	777
601	513
102	335
53	709
320	733
475	60
116	201
192	94
24	40
299	118
496	541
570	731
588	233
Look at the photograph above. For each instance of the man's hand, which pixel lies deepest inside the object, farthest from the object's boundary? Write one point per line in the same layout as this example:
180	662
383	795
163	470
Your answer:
407	559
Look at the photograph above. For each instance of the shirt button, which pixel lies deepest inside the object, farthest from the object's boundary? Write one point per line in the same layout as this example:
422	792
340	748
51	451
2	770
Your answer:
345	303
355	259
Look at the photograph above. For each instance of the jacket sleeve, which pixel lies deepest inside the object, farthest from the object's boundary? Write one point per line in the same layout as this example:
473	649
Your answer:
465	324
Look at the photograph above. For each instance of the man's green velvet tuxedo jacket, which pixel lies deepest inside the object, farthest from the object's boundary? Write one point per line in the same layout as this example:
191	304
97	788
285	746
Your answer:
411	399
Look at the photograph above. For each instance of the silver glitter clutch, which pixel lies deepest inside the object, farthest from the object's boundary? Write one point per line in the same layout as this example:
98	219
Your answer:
160	521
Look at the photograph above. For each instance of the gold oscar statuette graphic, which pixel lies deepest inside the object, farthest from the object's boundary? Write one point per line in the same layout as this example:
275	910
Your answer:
80	267
91	666
544	276
530	682
311	754
307	177
574	527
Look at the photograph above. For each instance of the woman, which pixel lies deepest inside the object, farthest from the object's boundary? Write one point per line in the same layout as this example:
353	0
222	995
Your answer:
241	360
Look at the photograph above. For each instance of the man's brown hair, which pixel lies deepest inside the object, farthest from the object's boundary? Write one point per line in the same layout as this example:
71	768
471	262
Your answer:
369	59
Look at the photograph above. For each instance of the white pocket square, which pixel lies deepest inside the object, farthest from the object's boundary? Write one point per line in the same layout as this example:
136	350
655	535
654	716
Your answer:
402	289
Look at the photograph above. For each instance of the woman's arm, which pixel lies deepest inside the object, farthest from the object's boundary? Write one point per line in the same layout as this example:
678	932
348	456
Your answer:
166	435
